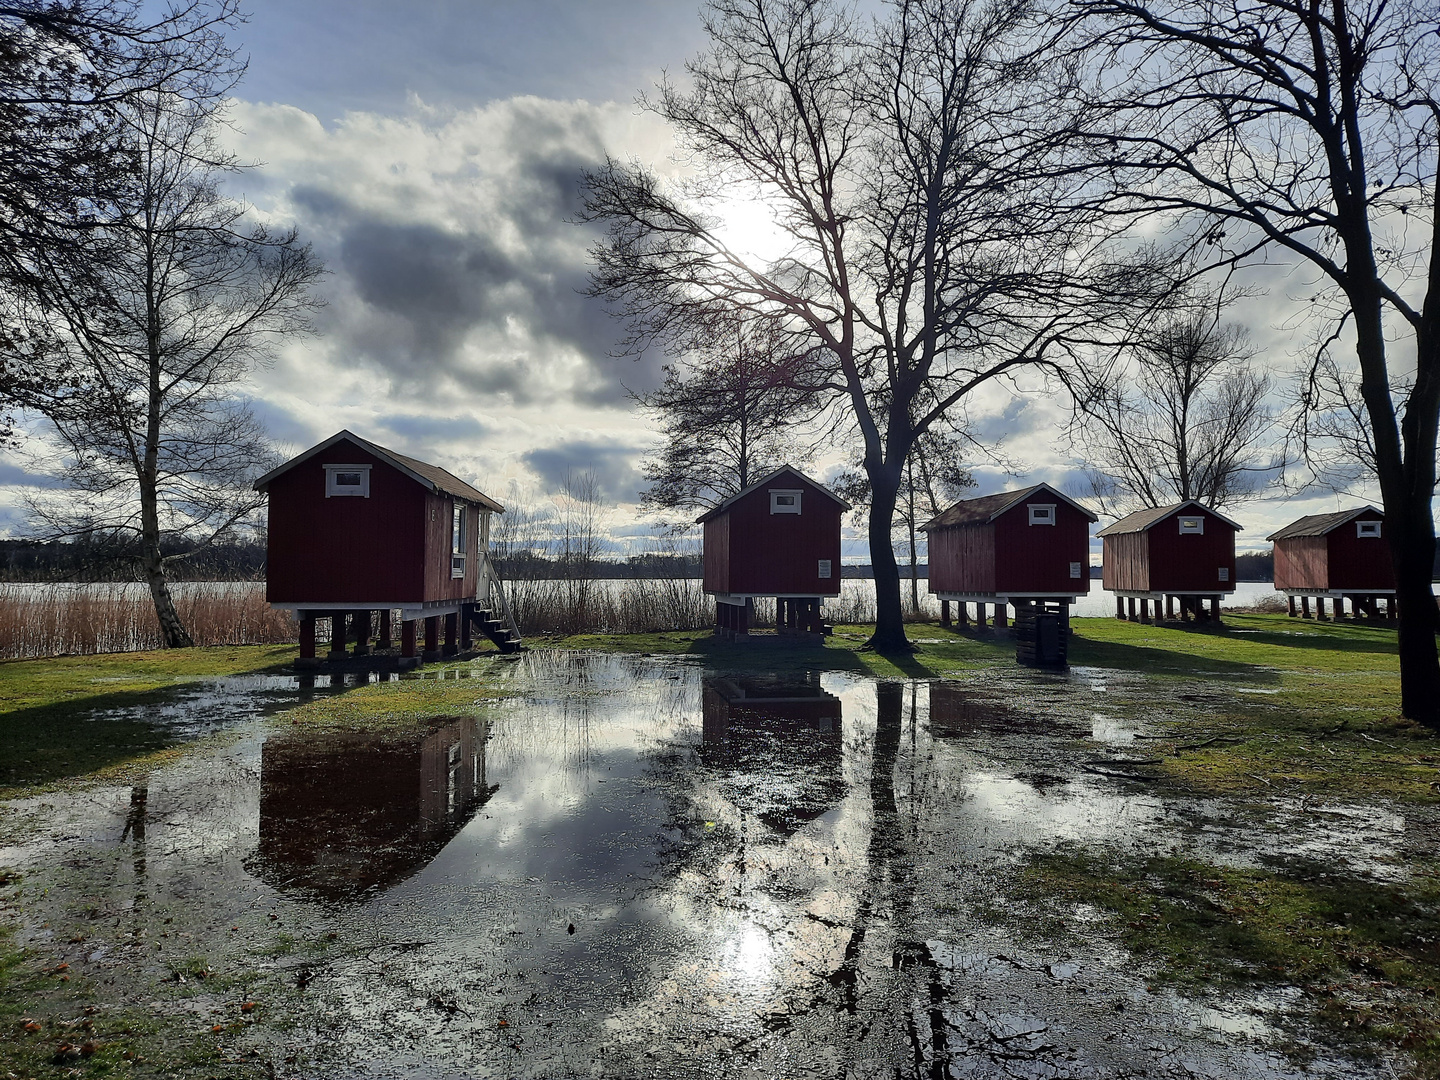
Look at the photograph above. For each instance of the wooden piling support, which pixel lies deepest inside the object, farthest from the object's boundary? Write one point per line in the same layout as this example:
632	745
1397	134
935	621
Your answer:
337	635
361	621
452	628
407	639
432	637
384	641
307	640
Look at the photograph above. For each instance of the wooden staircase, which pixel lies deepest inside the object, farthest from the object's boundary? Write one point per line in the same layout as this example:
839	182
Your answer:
497	625
506	638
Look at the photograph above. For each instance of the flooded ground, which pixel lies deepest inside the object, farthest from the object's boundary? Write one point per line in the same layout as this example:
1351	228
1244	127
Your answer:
637	866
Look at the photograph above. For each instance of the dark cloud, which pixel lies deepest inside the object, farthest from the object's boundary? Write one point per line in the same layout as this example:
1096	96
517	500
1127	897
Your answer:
612	465
431	305
14	476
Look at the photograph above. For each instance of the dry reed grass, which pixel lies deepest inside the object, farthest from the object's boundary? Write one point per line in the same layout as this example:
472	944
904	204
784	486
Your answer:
58	620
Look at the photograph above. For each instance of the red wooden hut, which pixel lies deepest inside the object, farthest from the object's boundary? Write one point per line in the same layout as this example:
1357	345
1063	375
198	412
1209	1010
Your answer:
1183	553
1334	557
779	537
356	529
1027	548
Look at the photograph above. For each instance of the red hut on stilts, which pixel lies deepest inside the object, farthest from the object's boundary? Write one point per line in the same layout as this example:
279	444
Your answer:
779	537
356	530
1336	557
1029	549
1182	554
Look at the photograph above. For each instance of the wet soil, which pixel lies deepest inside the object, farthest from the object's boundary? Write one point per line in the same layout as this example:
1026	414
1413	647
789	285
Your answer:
638	866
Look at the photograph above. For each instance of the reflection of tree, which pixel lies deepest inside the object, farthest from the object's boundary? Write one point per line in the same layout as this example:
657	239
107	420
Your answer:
891	857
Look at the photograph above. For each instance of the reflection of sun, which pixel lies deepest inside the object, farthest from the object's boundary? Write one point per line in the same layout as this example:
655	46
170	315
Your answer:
746	956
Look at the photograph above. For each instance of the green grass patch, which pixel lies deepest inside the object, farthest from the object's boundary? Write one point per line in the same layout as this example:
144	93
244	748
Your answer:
445	690
1365	953
52	722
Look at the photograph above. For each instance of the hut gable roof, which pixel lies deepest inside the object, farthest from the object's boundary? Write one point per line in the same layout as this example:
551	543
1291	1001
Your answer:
1144	520
438	480
1320	524
988	507
765	481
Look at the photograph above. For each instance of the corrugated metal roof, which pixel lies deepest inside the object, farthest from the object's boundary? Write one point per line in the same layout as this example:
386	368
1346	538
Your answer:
725	504
422	472
989	507
1319	524
1144	519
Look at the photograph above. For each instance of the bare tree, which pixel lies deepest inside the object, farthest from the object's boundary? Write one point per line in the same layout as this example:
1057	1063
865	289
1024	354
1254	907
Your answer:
1307	130
728	412
67	67
183	295
1185	418
904	165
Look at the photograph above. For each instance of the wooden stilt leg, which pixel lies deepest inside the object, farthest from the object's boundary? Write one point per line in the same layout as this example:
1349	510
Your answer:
307	640
337	635
1002	619
467	641
945	614
452	627
1320	609
385	641
407	639
432	638
1291	602
362	633
1119	607
962	615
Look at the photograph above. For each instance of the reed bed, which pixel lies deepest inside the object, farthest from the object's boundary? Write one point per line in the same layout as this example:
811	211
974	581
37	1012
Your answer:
59	620
624	606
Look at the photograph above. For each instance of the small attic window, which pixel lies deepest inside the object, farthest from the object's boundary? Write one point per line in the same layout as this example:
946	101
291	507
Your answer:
347	480
784	501
1367	528
1192	525
1041	513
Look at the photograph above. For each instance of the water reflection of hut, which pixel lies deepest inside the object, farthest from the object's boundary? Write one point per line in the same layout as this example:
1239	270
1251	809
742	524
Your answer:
777	740
344	814
1335	556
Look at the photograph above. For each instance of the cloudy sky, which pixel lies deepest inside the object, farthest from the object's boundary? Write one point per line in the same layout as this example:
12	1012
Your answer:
431	151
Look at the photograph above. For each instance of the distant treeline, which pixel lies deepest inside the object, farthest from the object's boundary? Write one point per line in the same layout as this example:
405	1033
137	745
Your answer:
106	559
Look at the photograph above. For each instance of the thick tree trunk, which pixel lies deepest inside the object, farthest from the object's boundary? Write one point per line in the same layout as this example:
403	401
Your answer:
1405	467
889	633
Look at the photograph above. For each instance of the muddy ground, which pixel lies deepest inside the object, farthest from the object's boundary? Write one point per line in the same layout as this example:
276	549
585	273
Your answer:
620	865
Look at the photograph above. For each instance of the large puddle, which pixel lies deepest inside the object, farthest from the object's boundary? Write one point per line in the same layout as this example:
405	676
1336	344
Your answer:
635	867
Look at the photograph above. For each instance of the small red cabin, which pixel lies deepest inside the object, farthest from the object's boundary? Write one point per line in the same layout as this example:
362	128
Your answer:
779	537
1184	553
355	528
1334	556
1028	548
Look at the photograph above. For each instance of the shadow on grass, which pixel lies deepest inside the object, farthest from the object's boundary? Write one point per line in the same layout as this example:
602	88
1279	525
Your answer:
46	743
1350	639
1151	661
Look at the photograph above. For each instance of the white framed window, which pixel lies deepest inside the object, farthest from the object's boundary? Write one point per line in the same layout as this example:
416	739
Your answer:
1192	526
824	569
1367	528
347	480
785	501
1041	513
1075	569
457	540
1224	573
